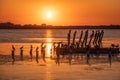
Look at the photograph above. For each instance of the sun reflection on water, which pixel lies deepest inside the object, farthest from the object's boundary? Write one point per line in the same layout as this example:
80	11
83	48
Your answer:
48	48
48	44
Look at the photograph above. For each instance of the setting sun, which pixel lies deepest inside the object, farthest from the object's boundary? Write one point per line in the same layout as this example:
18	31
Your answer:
49	14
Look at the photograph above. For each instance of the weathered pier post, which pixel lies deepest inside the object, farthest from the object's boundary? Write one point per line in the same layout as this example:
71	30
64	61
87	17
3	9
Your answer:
80	39
74	35
21	53
69	34
85	39
13	54
91	37
95	38
31	52
37	55
110	55
58	54
100	38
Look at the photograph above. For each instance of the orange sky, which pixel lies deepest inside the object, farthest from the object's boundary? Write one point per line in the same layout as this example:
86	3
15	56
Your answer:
65	12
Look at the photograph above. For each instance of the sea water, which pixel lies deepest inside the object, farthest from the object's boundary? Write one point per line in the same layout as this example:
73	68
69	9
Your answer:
27	37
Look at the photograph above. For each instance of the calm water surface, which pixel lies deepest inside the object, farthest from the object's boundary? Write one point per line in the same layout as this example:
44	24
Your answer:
49	70
38	35
22	37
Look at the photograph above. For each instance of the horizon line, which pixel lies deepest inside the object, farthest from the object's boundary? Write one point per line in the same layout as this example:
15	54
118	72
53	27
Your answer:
61	25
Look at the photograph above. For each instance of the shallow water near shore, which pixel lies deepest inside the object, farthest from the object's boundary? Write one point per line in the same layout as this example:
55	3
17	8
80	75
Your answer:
49	70
22	37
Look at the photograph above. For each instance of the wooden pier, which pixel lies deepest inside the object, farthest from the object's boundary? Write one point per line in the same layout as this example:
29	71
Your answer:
87	47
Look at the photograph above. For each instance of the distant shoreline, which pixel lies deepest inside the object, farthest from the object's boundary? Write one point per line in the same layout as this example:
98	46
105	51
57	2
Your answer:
56	28
9	25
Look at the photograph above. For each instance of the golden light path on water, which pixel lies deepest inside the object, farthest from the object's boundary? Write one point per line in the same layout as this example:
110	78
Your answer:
48	47
48	44
48	52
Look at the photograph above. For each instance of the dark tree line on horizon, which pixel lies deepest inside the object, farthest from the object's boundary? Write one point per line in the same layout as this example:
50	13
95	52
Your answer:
9	25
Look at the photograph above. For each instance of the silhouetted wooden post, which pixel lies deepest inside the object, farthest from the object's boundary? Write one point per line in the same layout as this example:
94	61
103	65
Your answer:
21	53
74	35
69	37
51	53
95	42
13	47
13	54
44	54
91	36
110	56
58	54
80	39
95	37
54	48
31	55
37	55
101	37
85	38
41	49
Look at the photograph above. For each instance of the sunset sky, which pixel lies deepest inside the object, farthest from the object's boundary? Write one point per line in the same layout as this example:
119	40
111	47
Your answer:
60	12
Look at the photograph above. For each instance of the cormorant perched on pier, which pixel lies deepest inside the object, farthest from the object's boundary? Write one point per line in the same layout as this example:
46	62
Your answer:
37	55
13	54
21	53
31	55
